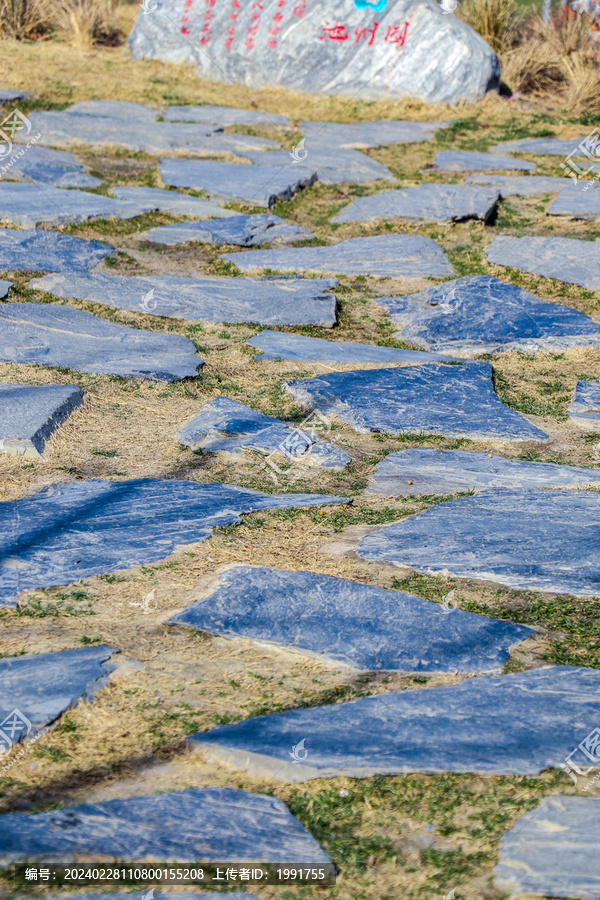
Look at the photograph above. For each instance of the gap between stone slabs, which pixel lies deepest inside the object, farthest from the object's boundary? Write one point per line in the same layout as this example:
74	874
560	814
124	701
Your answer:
241	230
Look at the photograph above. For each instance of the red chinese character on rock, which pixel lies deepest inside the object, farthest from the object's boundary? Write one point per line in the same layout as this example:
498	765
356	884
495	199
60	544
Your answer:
300	9
251	33
185	18
396	34
363	32
335	32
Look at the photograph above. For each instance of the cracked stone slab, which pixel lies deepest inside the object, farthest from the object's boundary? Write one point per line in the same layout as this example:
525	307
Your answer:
244	231
40	687
173	202
366	135
223	115
525	185
332	165
65	532
231	427
565	259
34	250
577	203
277	301
5	287
552	850
219	824
549	146
49	166
554	548
415	472
7	95
481	314
333	620
30	205
29	414
56	335
298	347
256	185
585	404
384	255
452	400
474	161
509	724
426	202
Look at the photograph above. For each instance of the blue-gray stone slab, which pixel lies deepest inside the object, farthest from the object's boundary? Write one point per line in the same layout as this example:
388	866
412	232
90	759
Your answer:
334	620
525	185
552	850
55	335
6	95
537	539
298	347
231	427
426	202
509	724
481	314
29	413
282	301
223	115
333	165
452	400
255	185
32	204
244	231
114	109
565	259
160	895
369	134
49	166
42	686
586	401
384	255
64	532
577	203
5	286
416	471
214	824
173	202
35	250
473	161
549	146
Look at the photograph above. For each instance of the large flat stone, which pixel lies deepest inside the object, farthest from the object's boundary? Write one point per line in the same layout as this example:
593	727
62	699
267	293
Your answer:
576	203
29	414
255	185
585	404
525	185
426	202
565	259
30	205
121	110
173	202
55	335
480	314
452	400
49	166
41	687
552	850
473	161
509	724
5	287
293	301
334	620
231	427
298	347
34	250
64	532
385	255
244	231
222	115
549	146
162	895
415	471
365	135
333	165
554	548
214	824
7	95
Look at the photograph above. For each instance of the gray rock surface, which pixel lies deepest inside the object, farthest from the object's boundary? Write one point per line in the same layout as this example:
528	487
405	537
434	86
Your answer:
6	95
298	347
577	203
55	335
333	165
452	400
260	228
385	255
121	110
415	472
231	427
480	314
565	259
222	115
29	414
173	202
254	185
407	48
214	824
49	166
549	146
525	185
64	532
509	724
364	135
585	404
473	161
357	625
161	895
552	850
33	250
282	301
5	286
555	547
30	205
426	202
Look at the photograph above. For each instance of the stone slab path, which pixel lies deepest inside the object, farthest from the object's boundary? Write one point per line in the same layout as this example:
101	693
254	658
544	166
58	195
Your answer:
426	202
231	427
384	255
5	287
566	259
30	205
357	625
555	548
472	161
34	250
30	413
300	348
480	314
453	400
333	165
6	96
222	115
585	404
549	146
49	166
577	203
219	824
244	231
510	724
69	531
525	185
283	301
173	202
369	134
51	334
